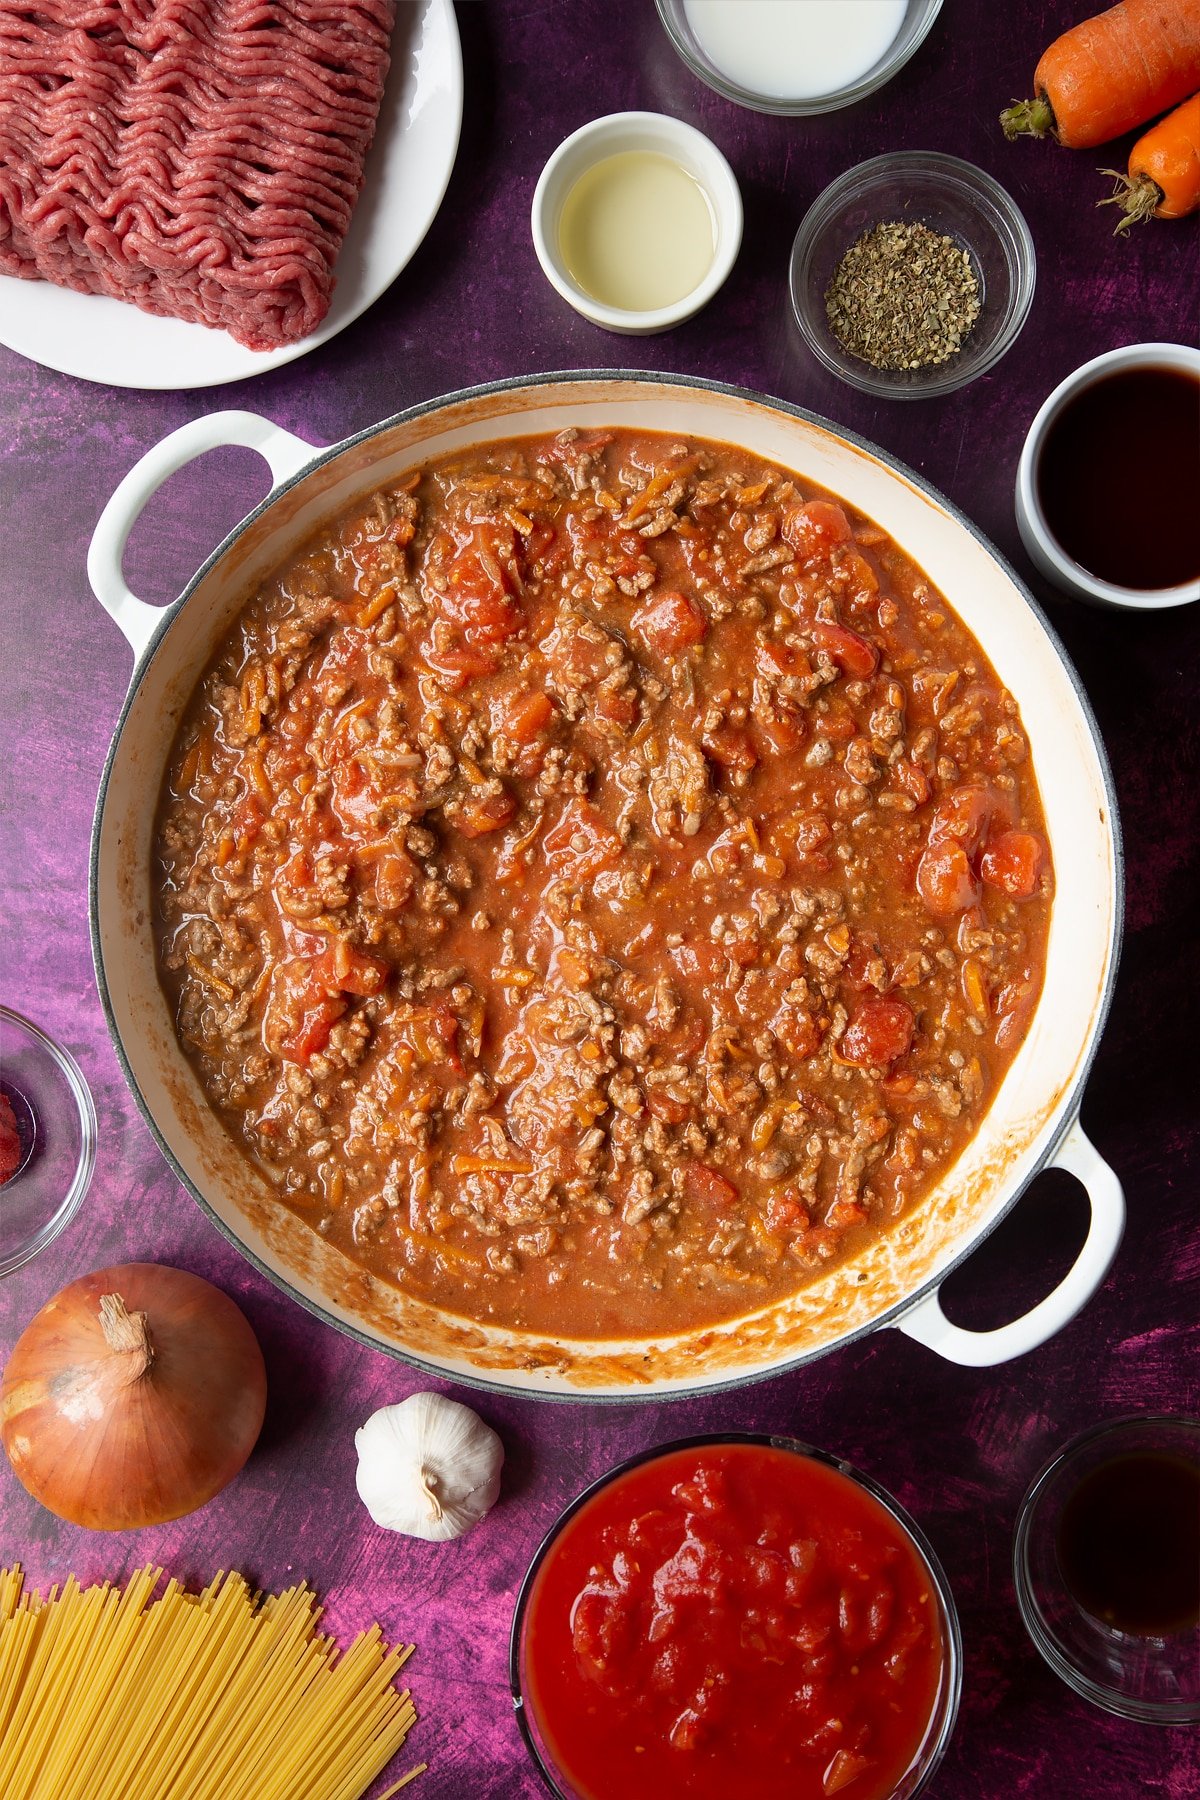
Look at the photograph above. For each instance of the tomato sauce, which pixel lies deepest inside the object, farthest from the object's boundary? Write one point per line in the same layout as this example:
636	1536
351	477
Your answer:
601	884
732	1619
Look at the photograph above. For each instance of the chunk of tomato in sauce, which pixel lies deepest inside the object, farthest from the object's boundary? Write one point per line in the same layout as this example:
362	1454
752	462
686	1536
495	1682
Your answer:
707	1187
669	622
482	582
815	529
527	716
852	652
308	997
785	1214
880	1032
395	879
341	969
314	1031
580	843
1012	862
310	1036
798	1031
666	1107
731	749
946	881
479	814
963	817
459	663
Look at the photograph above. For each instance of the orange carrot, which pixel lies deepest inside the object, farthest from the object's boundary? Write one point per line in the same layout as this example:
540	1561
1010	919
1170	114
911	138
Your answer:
1164	170
1111	73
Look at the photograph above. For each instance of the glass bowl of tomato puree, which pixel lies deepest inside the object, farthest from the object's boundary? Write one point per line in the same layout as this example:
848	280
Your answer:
735	1615
47	1139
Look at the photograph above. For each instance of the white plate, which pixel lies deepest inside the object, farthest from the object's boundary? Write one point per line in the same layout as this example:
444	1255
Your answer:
406	175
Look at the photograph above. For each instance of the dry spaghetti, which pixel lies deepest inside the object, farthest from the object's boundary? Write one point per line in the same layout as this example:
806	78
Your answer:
113	1694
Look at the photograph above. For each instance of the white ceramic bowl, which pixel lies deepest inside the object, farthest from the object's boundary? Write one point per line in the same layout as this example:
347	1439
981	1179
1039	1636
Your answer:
1044	550
1033	1119
614	135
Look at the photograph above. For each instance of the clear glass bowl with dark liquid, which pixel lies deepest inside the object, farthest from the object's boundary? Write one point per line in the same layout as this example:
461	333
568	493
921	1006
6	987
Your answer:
1106	1562
48	1133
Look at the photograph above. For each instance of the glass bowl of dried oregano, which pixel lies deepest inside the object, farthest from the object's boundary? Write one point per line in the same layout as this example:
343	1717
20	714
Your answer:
912	274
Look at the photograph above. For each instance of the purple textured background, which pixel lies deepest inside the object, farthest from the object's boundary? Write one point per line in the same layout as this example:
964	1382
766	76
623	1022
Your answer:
958	1447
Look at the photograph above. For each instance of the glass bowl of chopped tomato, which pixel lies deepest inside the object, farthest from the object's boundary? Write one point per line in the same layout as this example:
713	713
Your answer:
735	1614
859	296
47	1139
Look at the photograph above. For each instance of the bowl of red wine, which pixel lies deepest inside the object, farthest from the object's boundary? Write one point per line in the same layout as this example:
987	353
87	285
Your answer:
1106	1562
1108	486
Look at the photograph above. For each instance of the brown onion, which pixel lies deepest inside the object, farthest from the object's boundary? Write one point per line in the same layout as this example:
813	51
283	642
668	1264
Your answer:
133	1397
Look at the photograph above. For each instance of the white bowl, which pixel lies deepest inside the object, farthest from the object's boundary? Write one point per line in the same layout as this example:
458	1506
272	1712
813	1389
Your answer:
613	135
1033	1117
1043	548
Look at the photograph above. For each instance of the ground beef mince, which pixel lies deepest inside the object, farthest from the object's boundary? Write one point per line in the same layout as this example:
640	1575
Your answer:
199	158
601	883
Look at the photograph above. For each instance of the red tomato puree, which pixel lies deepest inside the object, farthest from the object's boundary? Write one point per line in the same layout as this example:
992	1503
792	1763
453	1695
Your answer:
732	1619
10	1140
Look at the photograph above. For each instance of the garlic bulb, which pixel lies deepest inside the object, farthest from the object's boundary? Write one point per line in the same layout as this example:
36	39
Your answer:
428	1467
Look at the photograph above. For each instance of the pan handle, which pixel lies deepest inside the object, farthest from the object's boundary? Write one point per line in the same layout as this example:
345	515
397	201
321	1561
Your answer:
284	453
928	1324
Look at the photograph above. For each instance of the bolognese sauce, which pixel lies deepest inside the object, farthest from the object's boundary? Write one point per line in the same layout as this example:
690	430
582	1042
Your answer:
601	882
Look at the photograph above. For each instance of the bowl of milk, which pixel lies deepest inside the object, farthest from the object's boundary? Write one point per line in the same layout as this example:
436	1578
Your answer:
796	56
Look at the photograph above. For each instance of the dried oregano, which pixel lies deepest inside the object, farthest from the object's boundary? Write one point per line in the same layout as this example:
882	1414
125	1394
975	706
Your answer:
902	297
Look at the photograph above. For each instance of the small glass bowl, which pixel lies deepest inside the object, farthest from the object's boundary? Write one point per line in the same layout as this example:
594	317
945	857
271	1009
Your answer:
942	1720
1153	1679
953	198
56	1123
918	21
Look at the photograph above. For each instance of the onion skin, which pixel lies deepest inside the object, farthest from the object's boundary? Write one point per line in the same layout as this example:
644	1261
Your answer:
114	1438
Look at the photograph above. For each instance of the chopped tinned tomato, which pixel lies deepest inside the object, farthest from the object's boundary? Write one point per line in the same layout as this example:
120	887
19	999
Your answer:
852	652
708	1188
945	880
731	748
798	1031
785	1214
343	970
311	1035
670	622
963	817
815	529
481	813
880	1032
527	716
581	843
732	1620
395	879
1012	862
308	997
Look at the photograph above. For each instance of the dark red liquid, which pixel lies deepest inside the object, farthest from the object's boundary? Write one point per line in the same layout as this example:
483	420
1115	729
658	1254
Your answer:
1118	478
18	1132
732	1620
1129	1543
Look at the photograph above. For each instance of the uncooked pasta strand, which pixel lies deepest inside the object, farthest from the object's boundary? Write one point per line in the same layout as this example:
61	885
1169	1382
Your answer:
112	1694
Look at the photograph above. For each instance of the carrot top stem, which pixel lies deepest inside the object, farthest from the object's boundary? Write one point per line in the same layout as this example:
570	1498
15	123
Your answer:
1138	196
1029	118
